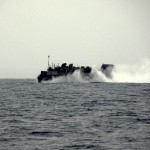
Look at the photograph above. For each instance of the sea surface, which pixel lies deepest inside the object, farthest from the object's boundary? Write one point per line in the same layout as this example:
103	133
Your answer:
74	115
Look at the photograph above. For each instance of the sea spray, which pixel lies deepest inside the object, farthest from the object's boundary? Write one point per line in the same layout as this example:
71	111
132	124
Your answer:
98	76
95	76
136	73
75	77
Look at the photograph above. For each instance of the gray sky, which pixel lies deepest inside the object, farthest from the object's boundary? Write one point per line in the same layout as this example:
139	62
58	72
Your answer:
84	32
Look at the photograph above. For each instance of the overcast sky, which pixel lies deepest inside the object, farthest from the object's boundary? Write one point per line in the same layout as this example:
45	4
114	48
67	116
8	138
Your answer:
84	32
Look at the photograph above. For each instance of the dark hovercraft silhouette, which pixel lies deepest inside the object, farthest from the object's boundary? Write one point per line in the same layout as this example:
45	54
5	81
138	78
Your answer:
64	70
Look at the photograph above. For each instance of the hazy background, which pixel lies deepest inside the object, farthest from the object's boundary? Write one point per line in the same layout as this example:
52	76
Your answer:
84	32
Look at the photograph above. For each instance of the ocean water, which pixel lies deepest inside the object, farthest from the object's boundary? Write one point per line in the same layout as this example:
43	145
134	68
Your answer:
74	115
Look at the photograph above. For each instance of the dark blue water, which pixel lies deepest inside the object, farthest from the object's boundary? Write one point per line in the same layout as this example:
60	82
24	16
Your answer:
74	116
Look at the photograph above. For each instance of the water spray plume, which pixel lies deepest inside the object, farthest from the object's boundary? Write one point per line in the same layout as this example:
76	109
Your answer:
136	73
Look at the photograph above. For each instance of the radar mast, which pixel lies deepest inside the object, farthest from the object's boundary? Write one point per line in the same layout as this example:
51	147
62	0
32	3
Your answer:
48	60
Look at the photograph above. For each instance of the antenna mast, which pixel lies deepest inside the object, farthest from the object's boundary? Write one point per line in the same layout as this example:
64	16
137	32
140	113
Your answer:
48	60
